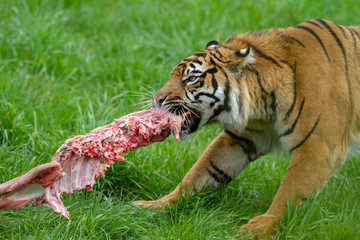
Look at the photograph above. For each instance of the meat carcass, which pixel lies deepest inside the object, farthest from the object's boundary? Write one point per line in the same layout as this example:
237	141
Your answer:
81	159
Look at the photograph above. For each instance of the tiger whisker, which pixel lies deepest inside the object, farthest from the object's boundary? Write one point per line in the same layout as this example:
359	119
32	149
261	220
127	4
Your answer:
140	93
148	89
142	104
182	106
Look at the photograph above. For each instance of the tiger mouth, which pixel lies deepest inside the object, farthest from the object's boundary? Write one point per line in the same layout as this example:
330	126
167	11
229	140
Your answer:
191	121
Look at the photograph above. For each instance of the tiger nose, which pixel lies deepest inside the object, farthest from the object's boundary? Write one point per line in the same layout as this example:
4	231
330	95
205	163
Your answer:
158	100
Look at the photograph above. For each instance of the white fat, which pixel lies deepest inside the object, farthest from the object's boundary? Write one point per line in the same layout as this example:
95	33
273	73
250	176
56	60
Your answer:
28	192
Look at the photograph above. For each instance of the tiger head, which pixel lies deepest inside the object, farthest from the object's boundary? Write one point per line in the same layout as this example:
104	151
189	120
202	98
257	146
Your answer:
204	88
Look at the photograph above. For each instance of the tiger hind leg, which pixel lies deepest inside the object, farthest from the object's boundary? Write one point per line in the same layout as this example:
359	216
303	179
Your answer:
310	168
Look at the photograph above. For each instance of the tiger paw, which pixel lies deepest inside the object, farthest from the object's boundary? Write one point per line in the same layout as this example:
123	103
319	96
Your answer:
157	205
260	227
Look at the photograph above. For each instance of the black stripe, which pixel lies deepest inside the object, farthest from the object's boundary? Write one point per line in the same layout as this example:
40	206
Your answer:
224	176
215	84
220	68
193	60
294	97
313	23
307	136
268	58
338	42
285	48
197	102
230	39
203	75
265	94
228	47
201	84
216	177
354	40
264	100
273	104
218	59
357	34
355	43
241	55
240	104
292	39
187	96
291	129
309	30
227	94
250	147
197	96
219	110
181	65
258	78
212	70
346	70
341	29
199	54
212	61
218	52
287	63
183	68
225	106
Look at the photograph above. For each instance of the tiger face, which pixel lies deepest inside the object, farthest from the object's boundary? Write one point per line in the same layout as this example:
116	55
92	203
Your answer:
201	90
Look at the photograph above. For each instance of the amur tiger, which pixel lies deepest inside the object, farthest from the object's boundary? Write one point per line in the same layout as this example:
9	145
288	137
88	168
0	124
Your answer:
296	87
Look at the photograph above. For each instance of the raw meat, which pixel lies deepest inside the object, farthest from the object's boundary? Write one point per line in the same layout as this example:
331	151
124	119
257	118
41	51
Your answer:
81	159
16	193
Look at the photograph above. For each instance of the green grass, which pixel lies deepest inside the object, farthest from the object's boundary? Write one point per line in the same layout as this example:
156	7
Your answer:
69	66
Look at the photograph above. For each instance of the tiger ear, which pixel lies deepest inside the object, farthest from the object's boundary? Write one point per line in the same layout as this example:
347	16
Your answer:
212	43
246	56
243	52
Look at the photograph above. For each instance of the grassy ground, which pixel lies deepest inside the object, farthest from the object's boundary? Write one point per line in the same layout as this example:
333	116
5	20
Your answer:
69	66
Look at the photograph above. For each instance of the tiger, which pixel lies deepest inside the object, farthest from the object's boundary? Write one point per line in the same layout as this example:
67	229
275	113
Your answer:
297	88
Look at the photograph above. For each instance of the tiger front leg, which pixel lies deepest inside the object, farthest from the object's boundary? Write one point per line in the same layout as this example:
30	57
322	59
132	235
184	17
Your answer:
222	161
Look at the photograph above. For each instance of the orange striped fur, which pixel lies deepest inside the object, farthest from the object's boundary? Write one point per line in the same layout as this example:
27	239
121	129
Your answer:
297	88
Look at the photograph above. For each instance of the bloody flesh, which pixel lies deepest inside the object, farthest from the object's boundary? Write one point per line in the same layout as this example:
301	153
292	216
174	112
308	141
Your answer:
81	159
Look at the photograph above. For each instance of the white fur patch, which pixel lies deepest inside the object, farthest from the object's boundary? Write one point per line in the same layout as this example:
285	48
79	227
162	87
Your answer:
243	51
250	58
235	118
189	72
212	46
